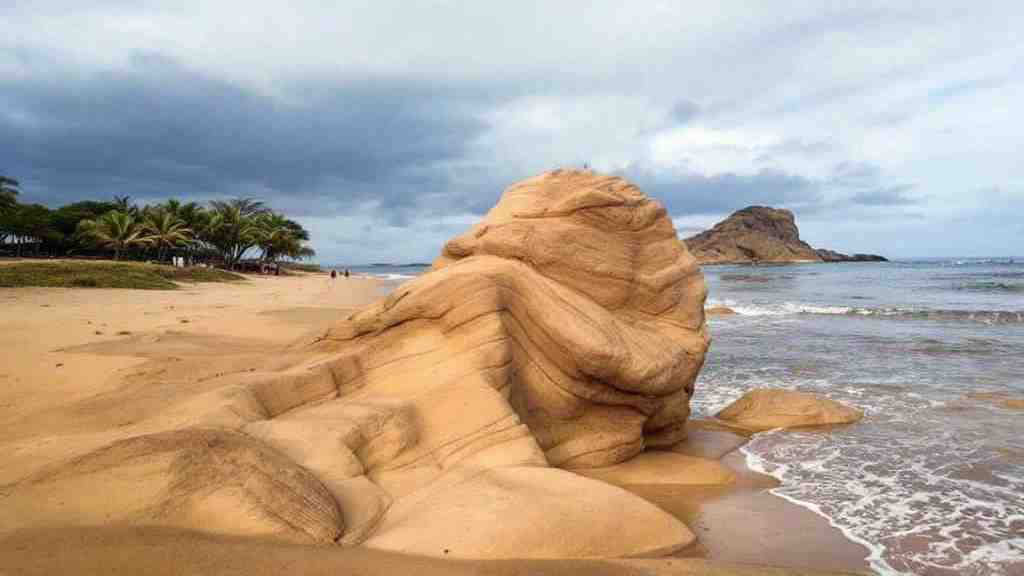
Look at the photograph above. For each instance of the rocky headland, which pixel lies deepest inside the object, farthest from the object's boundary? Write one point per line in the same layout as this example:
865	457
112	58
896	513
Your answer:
493	408
760	234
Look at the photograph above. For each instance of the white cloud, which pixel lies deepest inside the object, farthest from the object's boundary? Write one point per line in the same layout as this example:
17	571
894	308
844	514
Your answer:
709	151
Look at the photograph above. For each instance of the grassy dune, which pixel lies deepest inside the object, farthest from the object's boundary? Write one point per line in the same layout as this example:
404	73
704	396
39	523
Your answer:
105	274
301	267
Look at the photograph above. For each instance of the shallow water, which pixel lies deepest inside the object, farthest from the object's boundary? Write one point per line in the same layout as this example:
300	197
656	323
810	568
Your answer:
932	479
394	272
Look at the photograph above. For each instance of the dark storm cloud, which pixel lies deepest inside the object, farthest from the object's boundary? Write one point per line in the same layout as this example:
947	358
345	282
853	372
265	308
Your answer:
159	130
860	186
692	193
863	185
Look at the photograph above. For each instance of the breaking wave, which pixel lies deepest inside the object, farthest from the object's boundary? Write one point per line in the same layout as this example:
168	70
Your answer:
793	308
992	286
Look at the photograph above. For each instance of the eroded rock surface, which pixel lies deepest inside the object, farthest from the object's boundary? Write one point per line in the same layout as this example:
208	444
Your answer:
753	234
574	298
765	409
565	330
218	480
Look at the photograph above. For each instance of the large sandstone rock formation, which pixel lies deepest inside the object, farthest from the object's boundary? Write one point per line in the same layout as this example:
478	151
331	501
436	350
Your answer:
762	234
564	331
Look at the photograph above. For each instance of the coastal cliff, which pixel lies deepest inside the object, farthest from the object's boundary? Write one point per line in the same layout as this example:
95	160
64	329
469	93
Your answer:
762	234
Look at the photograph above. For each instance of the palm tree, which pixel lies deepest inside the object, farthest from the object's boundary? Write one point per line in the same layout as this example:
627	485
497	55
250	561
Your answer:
196	219
233	227
166	230
304	252
173	206
278	236
8	192
124	204
115	229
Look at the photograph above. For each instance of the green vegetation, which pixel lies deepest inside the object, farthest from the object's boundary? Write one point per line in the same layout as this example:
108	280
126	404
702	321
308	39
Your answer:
301	267
114	230
221	234
8	193
106	274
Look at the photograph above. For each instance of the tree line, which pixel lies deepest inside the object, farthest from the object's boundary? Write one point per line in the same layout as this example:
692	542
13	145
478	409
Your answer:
221	232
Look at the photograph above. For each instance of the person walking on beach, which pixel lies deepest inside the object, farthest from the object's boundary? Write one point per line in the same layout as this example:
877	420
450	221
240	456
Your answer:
346	272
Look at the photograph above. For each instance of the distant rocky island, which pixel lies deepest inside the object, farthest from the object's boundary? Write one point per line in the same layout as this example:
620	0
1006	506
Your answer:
762	234
833	256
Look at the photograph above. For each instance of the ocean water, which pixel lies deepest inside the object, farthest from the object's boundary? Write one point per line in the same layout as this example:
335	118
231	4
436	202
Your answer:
396	272
932	480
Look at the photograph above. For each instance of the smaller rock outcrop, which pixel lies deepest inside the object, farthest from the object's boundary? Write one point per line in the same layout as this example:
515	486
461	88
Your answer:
999	398
764	409
753	234
833	256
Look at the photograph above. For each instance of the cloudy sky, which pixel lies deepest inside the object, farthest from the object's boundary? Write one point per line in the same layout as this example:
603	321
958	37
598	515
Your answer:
387	127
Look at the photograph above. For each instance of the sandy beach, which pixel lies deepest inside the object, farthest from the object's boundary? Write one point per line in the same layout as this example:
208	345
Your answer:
83	367
123	328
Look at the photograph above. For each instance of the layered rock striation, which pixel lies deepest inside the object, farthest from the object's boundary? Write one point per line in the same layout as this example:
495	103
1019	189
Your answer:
564	331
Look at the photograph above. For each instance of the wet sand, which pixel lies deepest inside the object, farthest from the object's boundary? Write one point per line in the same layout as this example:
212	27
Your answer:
159	552
746	523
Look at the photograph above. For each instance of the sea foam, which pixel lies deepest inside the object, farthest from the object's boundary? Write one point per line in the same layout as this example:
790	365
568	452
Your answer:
796	308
